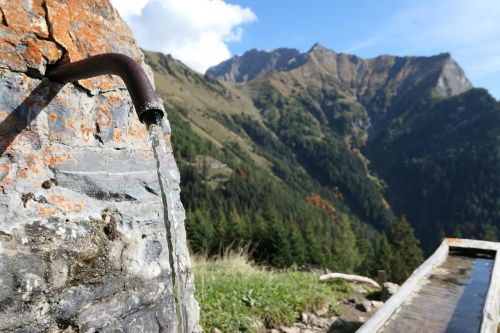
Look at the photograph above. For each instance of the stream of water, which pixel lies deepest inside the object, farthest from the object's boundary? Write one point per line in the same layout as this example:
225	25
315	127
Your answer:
174	215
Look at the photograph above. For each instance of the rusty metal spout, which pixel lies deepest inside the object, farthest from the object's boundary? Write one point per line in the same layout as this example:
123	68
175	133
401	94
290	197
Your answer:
146	103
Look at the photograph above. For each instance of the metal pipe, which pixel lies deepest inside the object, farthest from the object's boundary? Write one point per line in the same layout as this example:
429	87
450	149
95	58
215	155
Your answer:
146	103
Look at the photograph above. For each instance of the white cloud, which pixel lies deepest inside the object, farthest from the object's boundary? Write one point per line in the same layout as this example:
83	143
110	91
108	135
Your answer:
469	30
194	31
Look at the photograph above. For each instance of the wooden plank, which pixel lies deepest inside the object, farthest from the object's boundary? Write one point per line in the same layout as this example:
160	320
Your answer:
451	299
383	314
491	310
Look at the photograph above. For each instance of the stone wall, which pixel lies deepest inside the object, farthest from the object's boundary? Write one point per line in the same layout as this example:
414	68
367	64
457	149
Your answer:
82	239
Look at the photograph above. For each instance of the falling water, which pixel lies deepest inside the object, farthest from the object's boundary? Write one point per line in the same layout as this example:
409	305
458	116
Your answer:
174	215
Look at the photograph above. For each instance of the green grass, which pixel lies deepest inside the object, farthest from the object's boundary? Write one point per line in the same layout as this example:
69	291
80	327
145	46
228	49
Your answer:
234	294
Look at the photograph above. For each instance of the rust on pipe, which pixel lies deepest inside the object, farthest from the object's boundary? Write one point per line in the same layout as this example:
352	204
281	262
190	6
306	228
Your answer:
146	103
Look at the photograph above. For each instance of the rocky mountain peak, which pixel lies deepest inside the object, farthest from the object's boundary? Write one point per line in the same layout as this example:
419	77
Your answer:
255	63
363	76
452	79
317	47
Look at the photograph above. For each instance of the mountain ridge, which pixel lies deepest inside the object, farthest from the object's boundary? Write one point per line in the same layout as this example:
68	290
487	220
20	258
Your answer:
254	63
342	126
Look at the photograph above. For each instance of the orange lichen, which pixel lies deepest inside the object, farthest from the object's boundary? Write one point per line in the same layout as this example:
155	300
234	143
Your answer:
32	55
3	115
4	173
34	169
52	116
104	117
106	85
67	205
4	170
38	24
85	133
137	131
23	174
52	159
10	56
113	99
16	18
49	50
37	32
46	211
25	79
55	160
40	29
92	35
117	135
37	7
69	124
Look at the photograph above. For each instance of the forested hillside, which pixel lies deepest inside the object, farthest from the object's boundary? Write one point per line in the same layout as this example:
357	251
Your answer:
426	135
238	192
317	163
440	160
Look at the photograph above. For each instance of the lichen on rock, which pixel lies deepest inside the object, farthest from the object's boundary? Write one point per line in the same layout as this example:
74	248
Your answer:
82	238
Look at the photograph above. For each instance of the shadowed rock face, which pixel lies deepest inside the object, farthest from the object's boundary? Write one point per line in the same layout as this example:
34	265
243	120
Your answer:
82	238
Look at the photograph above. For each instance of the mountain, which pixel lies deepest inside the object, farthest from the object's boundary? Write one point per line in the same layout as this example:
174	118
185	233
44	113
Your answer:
256	63
362	76
242	185
404	113
381	86
363	141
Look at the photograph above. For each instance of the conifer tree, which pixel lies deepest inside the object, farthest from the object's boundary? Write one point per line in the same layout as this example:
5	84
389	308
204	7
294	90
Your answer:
345	251
383	256
367	254
407	255
299	250
489	232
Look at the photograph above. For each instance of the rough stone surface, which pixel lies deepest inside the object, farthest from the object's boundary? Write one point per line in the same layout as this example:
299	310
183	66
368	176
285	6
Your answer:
364	306
377	304
82	237
388	289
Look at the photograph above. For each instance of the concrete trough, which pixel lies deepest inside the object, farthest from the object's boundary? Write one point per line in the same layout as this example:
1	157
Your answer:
456	289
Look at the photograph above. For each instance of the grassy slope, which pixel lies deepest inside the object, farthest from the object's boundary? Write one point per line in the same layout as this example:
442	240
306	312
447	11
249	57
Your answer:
202	102
235	295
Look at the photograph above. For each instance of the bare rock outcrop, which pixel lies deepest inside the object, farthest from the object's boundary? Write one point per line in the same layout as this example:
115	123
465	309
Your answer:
82	236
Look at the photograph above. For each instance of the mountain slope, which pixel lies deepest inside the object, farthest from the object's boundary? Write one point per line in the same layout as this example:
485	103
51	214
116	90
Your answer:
243	185
369	138
440	160
383	86
418	124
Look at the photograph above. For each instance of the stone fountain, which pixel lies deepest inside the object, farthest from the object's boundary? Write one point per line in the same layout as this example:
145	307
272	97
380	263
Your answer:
83	243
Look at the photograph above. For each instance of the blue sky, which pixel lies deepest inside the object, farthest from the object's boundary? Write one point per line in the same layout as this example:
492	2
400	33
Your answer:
204	32
299	24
